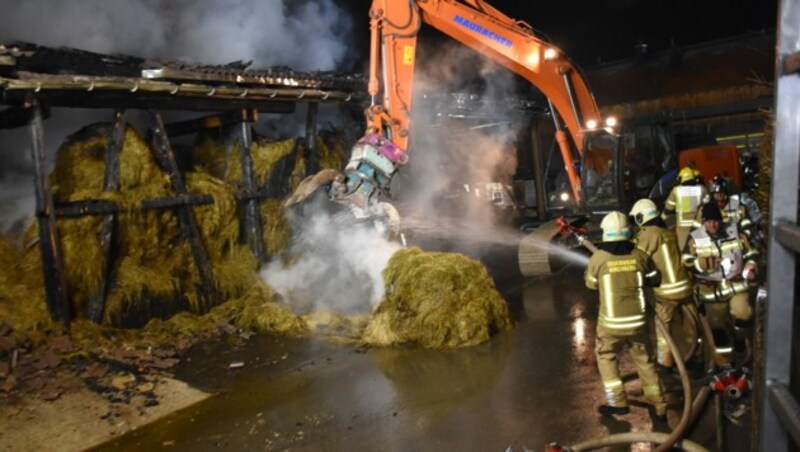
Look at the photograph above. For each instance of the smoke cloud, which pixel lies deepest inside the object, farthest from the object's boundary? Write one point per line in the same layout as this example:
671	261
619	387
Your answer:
338	263
458	147
302	34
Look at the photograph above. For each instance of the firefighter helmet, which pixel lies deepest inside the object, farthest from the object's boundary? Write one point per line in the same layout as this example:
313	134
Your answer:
615	227
688	174
643	211
719	185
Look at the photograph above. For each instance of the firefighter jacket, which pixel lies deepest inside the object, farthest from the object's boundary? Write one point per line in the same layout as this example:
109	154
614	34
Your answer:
734	212
684	201
662	246
620	280
718	262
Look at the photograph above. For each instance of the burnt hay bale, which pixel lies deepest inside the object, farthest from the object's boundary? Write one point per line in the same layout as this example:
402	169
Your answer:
437	300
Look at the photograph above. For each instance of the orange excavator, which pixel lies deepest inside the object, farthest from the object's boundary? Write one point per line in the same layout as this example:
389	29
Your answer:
378	155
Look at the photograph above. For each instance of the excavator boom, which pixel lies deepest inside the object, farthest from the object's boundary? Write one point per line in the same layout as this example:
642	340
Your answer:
394	29
512	44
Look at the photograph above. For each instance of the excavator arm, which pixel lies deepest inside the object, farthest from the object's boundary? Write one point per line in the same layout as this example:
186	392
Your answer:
395	26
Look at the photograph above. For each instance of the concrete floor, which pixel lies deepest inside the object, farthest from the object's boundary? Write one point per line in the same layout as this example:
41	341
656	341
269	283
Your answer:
526	388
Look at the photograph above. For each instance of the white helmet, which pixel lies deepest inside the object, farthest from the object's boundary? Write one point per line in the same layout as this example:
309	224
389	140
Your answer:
615	227
643	211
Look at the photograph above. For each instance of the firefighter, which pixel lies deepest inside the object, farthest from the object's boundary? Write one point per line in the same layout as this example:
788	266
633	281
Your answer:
618	270
722	261
731	207
676	286
683	201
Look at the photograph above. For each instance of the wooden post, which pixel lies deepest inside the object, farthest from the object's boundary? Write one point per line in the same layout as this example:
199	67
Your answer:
207	290
97	301
54	279
311	139
250	215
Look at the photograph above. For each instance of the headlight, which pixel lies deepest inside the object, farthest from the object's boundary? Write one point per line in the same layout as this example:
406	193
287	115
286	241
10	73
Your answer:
611	121
564	196
591	124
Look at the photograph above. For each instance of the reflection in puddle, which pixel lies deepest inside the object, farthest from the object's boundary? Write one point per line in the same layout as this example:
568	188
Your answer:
579	340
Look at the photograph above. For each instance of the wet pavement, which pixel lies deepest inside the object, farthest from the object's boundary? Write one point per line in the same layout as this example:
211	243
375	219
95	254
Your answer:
523	389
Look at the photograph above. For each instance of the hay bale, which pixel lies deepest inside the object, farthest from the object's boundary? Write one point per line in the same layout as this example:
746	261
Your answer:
154	274
255	311
437	300
80	163
22	305
331	151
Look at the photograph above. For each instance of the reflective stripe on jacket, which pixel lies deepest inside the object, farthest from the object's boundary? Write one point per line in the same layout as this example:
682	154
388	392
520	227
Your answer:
684	201
730	250
620	280
662	246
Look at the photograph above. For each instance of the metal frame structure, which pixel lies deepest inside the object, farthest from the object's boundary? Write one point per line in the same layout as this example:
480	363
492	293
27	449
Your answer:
780	416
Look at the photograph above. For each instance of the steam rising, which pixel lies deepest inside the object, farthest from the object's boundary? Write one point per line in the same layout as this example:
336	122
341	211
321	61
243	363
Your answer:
339	263
456	153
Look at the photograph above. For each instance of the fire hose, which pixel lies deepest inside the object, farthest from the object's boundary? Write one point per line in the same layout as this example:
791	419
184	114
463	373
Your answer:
691	409
664	441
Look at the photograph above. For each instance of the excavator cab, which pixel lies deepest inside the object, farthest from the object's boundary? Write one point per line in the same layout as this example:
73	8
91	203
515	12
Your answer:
602	173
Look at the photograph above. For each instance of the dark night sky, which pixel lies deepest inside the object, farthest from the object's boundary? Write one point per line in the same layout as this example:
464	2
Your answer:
606	30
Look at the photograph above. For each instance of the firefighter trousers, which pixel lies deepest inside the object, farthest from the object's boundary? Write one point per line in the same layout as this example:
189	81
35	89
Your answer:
608	346
665	310
720	316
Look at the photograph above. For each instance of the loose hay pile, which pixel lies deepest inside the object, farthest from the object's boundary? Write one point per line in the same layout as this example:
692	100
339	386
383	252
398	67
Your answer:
437	300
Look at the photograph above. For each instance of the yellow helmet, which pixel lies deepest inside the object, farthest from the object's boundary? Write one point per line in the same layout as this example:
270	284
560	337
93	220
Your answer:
643	211
615	227
687	174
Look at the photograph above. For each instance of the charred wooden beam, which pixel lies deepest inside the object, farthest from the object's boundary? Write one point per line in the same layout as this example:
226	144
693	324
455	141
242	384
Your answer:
278	178
88	86
49	244
281	77
146	101
103	207
207	290
263	193
250	215
97	301
311	138
221	120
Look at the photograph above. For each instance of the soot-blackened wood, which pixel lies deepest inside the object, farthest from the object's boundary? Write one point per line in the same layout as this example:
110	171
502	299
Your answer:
97	302
250	215
311	138
85	207
207	289
54	279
